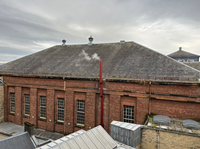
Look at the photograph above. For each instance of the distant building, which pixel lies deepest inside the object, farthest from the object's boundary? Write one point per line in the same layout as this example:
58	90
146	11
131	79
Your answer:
58	89
183	56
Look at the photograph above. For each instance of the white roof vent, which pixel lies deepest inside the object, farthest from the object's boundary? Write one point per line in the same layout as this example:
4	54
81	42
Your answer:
63	41
122	41
90	40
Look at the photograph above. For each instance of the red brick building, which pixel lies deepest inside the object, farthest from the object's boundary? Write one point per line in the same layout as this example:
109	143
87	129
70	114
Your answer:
58	88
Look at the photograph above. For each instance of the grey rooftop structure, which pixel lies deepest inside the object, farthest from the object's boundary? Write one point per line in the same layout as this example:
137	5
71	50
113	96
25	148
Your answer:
121	61
20	141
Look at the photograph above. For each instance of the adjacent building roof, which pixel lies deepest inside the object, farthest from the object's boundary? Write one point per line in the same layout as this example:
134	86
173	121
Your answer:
181	53
20	141
96	138
124	61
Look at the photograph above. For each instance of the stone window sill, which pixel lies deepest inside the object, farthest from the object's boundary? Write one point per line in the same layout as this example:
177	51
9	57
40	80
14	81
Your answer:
26	116
59	122
12	113
42	119
79	125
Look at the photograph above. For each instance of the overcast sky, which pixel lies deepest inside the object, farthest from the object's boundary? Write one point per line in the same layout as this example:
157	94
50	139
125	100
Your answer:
162	25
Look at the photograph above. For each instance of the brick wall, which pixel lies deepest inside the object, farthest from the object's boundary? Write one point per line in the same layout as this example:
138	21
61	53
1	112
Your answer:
116	95
154	139
1	101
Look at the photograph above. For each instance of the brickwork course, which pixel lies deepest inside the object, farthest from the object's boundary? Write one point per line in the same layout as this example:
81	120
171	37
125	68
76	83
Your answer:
133	75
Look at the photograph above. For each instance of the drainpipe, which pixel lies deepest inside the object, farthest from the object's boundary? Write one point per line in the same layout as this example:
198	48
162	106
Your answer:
64	103
101	92
149	97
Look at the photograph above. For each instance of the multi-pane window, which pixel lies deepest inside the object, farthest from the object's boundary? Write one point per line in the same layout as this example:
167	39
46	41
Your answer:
27	104
61	109
43	106
12	102
129	114
80	112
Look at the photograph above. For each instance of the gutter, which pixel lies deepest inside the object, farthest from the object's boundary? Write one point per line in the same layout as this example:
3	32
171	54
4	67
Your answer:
122	80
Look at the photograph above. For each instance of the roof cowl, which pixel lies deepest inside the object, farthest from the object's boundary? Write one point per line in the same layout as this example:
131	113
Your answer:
180	48
90	40
63	41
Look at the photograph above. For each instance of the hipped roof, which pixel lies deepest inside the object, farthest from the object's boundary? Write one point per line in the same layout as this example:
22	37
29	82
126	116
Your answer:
181	53
126	61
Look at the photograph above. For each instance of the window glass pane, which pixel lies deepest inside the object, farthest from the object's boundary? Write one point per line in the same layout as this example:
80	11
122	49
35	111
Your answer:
80	112
27	104
42	101
12	107
128	114
43	106
12	102
61	109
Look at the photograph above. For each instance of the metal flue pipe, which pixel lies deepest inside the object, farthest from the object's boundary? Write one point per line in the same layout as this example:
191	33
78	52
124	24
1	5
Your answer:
101	92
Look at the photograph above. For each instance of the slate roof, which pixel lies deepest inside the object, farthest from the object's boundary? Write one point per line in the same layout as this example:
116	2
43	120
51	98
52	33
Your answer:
181	53
127	61
20	141
195	65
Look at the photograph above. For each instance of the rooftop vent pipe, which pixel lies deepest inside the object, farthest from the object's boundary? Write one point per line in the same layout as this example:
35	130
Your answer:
90	40
180	48
101	92
63	41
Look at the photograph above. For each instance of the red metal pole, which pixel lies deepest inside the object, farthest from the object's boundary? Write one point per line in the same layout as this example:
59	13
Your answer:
101	92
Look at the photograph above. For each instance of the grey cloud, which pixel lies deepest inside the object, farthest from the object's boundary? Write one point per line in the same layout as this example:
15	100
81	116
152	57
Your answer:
13	51
161	25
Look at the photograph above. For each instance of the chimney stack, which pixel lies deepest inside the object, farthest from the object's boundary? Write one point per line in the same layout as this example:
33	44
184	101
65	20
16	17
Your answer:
180	48
29	127
90	40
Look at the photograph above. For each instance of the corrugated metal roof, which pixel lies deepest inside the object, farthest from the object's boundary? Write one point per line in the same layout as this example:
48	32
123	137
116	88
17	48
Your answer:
20	141
96	138
127	61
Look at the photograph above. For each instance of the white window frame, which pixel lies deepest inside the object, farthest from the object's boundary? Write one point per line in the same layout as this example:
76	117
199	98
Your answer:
42	107
80	112
12	102
61	109
27	104
128	114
